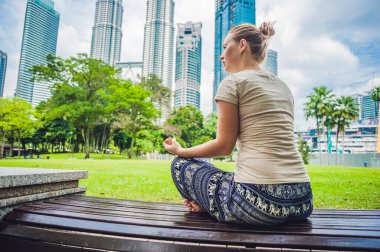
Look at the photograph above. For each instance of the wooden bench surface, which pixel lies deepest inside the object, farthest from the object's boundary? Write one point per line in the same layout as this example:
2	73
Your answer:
78	223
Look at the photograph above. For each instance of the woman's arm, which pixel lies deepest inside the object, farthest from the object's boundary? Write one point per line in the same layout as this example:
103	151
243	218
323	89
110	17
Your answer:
226	136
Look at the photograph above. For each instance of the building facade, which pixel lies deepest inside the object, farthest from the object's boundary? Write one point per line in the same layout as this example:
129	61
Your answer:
270	62
228	13
3	70
39	40
107	31
188	65
368	110
159	44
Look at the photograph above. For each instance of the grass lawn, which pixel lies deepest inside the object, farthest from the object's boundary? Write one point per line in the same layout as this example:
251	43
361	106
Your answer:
113	176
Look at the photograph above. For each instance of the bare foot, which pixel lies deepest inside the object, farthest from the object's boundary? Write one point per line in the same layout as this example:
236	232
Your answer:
193	207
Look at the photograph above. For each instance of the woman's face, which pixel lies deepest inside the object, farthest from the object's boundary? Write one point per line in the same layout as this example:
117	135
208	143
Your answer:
231	55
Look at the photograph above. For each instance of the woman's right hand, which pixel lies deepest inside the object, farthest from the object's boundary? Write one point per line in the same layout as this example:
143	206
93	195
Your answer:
172	146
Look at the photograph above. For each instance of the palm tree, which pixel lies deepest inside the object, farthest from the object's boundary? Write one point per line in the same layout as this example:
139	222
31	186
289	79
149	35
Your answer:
376	99
345	112
318	105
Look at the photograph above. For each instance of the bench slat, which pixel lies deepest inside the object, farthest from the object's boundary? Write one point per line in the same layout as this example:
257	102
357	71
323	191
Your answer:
94	241
217	237
346	223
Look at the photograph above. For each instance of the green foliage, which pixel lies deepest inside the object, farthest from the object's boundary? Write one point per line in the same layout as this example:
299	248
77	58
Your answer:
304	150
189	121
77	93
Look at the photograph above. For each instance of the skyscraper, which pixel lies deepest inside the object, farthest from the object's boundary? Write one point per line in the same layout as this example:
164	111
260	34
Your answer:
368	110
39	39
228	13
106	32
270	62
159	43
188	65
159	40
3	70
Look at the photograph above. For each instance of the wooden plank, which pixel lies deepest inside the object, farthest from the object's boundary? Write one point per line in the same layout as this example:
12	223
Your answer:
191	225
18	233
311	241
355	212
205	222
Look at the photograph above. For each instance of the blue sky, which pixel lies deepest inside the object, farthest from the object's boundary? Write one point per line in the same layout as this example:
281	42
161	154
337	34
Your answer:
319	42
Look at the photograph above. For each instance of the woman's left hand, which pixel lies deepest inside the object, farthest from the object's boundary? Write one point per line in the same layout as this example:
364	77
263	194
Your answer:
172	146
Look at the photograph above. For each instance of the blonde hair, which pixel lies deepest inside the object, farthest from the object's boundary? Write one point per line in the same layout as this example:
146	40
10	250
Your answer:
257	38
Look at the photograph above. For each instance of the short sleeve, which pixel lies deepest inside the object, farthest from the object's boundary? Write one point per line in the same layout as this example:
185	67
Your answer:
227	91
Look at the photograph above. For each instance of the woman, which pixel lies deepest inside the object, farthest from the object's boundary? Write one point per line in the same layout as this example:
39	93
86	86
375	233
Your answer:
270	184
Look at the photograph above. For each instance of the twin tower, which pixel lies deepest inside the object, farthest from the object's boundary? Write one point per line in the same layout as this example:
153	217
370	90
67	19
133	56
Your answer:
41	31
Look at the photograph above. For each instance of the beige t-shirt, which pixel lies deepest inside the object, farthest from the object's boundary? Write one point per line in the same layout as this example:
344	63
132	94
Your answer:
267	153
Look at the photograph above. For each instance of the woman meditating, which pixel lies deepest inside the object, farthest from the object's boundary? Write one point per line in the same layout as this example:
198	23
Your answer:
270	184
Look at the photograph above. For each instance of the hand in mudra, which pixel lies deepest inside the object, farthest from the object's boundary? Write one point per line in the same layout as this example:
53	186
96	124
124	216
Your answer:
172	146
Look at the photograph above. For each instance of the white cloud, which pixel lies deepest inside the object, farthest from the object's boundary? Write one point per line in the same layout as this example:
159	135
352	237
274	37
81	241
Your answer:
315	40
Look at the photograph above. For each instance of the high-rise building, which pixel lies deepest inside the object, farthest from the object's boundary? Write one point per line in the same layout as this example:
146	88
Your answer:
270	62
3	70
39	40
228	13
159	43
368	110
106	32
188	65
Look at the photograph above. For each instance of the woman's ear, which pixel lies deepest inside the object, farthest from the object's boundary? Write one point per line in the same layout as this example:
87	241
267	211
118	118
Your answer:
243	45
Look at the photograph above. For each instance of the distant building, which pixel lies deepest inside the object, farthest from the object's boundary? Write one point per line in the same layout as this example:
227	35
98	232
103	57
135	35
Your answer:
3	70
159	44
106	32
270	62
358	138
188	65
39	40
368	110
228	14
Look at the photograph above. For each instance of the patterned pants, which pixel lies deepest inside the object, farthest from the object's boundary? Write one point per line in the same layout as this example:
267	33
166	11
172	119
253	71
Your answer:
229	201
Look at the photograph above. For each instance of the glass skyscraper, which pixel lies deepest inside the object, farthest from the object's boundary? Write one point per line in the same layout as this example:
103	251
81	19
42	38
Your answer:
270	62
159	40
188	65
3	70
159	43
368	111
39	39
228	13
106	32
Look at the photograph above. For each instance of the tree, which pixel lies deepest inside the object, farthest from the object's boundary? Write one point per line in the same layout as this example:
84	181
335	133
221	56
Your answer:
121	139
77	93
346	110
159	93
21	122
132	108
317	106
304	150
376	98
190	122
5	118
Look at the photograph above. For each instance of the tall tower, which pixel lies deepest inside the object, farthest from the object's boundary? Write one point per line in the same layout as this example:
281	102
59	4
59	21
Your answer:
106	32
159	43
39	39
3	70
188	65
228	13
159	40
270	62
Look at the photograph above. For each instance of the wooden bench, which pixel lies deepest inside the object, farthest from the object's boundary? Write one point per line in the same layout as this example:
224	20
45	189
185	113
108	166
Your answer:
80	223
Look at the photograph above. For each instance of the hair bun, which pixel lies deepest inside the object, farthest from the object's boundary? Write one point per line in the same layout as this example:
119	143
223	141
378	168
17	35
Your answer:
267	29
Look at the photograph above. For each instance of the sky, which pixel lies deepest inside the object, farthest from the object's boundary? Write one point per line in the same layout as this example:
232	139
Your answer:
319	42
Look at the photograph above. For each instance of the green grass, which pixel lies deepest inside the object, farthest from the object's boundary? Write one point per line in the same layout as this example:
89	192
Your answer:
113	176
